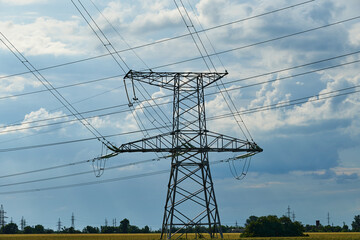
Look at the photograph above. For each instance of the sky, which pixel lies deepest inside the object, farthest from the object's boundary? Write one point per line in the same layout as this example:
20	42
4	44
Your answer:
293	76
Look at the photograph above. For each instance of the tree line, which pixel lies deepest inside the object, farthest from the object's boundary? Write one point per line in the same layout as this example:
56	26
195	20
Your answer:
124	227
272	226
266	226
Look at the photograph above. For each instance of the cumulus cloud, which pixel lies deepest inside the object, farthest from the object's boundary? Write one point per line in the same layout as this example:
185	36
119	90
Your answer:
46	36
98	122
33	122
16	84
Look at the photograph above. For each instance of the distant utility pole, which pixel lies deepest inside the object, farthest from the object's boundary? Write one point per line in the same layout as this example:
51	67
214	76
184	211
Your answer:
22	223
59	225
73	221
114	222
328	218
2	216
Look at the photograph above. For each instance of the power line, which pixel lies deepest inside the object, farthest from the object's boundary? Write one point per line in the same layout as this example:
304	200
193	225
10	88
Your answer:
234	49
147	100
71	141
78	173
259	43
53	91
159	41
152	99
107	114
258	109
294	67
118	33
87	183
208	62
101	181
290	103
105	41
116	57
233	81
46	169
61	87
4	97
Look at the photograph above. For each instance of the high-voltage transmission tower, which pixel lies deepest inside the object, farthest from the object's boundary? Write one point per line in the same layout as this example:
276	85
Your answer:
72	221
190	200
59	225
22	223
2	217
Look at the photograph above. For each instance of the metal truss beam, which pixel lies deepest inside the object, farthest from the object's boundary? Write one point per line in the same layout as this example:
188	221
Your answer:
189	143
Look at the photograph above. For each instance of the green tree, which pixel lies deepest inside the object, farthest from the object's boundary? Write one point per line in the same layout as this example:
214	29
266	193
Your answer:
109	229
251	219
272	226
124	225
146	229
10	228
356	224
134	229
90	229
39	229
69	230
28	230
49	231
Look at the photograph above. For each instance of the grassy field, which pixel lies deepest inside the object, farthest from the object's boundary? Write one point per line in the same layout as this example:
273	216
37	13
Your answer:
312	236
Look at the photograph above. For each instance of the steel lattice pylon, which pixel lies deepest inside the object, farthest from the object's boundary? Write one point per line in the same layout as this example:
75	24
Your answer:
190	200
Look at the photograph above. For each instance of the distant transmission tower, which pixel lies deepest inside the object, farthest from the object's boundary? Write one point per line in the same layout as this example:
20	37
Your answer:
293	216
59	225
22	223
73	221
2	217
190	200
328	218
288	212
106	222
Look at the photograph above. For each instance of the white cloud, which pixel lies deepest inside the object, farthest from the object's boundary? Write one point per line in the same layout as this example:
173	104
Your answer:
156	21
16	84
46	36
98	122
354	35
32	122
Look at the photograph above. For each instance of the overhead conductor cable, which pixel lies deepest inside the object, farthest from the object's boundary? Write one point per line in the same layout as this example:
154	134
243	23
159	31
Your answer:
54	91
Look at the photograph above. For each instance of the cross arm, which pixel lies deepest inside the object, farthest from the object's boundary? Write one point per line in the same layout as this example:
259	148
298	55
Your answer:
189	141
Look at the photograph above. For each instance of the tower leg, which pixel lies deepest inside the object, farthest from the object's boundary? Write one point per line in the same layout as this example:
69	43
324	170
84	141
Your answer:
190	201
